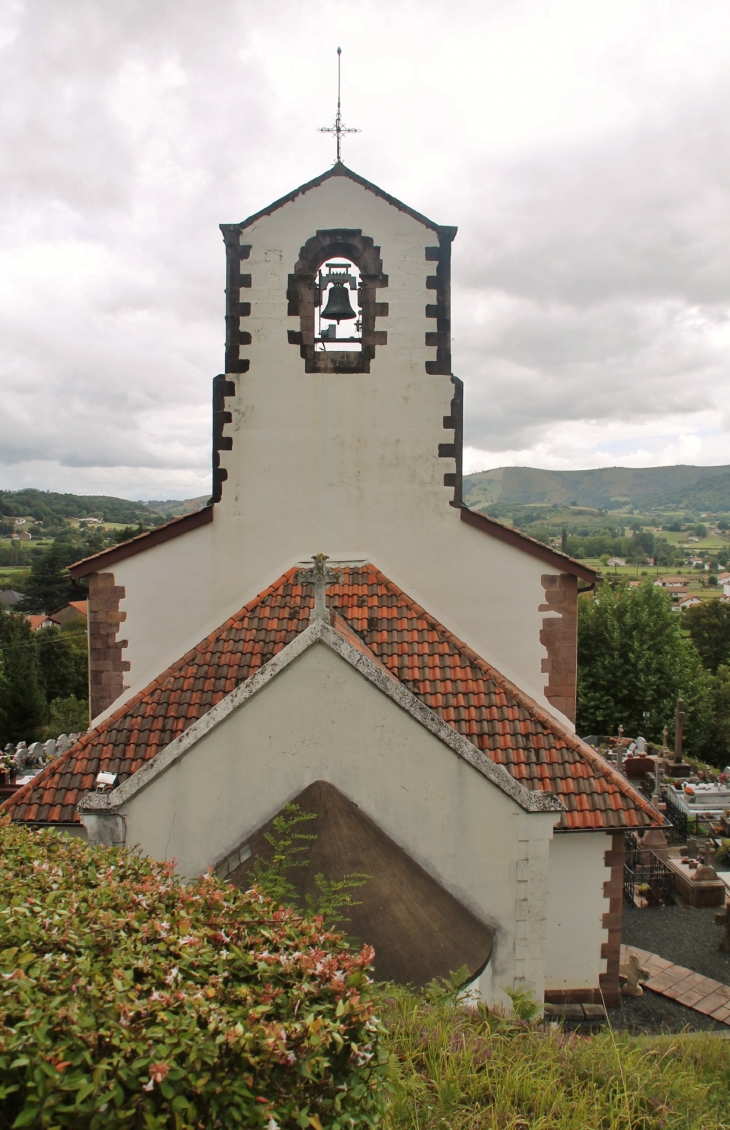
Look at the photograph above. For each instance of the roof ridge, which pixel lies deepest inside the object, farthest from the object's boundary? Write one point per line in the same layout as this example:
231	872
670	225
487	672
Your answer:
339	169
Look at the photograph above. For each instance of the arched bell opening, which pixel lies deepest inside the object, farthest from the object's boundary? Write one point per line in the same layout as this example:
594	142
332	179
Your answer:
330	339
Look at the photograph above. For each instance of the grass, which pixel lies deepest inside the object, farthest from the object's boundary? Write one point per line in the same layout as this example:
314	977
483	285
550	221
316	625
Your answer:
465	1069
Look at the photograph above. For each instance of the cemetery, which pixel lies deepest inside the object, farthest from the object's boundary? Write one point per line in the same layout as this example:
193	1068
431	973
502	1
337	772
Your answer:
676	937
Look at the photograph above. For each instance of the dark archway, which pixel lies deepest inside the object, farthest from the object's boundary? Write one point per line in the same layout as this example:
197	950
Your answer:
418	929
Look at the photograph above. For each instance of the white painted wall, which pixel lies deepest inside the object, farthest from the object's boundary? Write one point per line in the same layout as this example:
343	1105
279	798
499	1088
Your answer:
343	464
322	720
575	910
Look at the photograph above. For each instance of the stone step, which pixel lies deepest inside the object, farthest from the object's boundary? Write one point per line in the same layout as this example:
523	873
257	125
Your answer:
576	1013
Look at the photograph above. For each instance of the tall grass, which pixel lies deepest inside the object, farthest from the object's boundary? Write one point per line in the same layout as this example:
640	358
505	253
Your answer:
467	1069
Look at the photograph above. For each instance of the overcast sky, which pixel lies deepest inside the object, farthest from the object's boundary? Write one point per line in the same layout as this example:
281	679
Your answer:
580	146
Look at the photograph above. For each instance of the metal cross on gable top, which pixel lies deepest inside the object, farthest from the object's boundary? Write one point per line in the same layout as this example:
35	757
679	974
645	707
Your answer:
319	576
338	129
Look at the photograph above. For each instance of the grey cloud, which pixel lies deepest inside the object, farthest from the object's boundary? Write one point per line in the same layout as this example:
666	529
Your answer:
590	276
643	213
607	362
594	283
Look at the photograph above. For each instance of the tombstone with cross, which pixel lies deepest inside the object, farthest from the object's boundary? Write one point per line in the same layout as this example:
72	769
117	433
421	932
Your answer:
321	577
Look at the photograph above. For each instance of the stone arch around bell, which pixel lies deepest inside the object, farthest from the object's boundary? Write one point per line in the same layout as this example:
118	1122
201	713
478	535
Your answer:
303	297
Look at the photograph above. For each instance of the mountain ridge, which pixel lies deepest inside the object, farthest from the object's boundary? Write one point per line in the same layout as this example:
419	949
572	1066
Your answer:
682	486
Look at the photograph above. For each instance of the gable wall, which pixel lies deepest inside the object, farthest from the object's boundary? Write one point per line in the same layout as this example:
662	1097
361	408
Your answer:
321	720
345	464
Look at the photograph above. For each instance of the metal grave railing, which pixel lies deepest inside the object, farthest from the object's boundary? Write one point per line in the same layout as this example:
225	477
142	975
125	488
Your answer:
645	873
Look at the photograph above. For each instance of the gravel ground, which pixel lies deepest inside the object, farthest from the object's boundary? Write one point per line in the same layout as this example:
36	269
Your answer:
655	1013
686	937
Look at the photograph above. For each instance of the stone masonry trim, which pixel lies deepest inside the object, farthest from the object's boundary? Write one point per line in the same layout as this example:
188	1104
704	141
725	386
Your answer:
559	636
106	666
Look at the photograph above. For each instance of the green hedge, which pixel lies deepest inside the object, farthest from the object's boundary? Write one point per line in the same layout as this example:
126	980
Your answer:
129	999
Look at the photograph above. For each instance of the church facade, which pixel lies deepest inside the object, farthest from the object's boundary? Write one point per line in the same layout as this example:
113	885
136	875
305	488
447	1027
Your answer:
418	692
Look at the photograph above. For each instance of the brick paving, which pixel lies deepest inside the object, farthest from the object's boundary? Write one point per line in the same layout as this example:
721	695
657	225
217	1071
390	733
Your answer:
702	994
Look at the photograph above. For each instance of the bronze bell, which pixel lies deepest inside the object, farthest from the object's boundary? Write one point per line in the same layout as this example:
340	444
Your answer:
338	305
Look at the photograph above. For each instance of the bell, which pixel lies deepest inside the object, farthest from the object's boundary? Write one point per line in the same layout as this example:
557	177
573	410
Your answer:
338	305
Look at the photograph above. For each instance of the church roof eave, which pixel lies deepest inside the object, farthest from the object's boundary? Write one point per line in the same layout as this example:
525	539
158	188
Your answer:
173	529
340	170
529	545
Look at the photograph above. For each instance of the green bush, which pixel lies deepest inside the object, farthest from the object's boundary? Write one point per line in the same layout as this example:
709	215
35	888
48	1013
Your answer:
68	716
133	1000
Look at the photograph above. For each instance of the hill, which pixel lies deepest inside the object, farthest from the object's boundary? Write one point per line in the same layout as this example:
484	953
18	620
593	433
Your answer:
678	488
48	507
175	508
608	488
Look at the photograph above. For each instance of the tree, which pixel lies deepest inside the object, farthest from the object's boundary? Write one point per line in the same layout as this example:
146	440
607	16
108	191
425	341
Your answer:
49	586
716	745
128	533
709	627
62	657
632	658
23	708
68	716
643	543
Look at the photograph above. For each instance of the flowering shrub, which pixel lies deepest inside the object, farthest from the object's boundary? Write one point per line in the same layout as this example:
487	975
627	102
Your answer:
128	999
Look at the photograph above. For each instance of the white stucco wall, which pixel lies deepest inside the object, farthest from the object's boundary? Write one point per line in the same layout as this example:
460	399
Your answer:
342	464
322	720
575	910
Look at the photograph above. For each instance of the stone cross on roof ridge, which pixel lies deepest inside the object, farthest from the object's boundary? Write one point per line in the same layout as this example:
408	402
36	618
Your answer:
319	576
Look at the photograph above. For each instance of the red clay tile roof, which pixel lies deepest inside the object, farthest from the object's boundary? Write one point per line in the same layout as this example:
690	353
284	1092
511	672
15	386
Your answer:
443	672
39	620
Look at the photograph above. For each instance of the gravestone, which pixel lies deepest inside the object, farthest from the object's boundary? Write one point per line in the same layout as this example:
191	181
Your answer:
655	840
35	754
723	919
633	972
